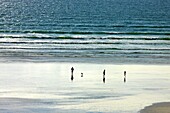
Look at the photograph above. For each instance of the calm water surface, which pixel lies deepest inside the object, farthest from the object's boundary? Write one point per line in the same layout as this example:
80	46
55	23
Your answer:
47	88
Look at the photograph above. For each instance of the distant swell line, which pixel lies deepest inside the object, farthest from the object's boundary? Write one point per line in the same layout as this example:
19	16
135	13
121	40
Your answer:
86	38
84	25
54	48
87	43
89	32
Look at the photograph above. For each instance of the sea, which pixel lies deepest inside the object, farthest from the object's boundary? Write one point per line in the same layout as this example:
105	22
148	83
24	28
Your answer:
41	40
106	31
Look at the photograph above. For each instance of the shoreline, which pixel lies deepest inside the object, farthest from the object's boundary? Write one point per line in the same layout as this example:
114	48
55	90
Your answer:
115	61
163	107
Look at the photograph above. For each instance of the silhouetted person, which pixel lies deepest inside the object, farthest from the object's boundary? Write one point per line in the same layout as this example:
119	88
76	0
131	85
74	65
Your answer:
72	69
124	73
104	76
124	76
81	74
104	72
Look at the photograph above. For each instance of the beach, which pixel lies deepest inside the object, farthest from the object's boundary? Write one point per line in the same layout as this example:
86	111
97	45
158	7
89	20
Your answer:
47	87
157	108
84	56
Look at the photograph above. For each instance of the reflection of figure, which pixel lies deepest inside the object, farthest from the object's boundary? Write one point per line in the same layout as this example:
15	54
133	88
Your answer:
124	79
72	69
81	74
124	76
72	77
104	76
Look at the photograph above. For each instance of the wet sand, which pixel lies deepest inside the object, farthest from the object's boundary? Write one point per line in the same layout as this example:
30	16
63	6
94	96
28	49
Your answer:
48	88
157	108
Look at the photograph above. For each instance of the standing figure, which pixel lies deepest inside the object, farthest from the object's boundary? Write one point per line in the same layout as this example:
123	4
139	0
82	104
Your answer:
124	73
72	69
104	76
124	76
81	74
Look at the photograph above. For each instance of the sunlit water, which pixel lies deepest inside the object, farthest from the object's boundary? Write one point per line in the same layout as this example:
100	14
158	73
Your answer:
123	31
47	87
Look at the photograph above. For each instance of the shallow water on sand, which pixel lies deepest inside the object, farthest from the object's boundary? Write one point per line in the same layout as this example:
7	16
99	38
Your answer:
47	87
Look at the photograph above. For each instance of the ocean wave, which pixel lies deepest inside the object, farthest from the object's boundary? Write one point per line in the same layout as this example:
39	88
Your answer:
84	43
85	55
79	37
